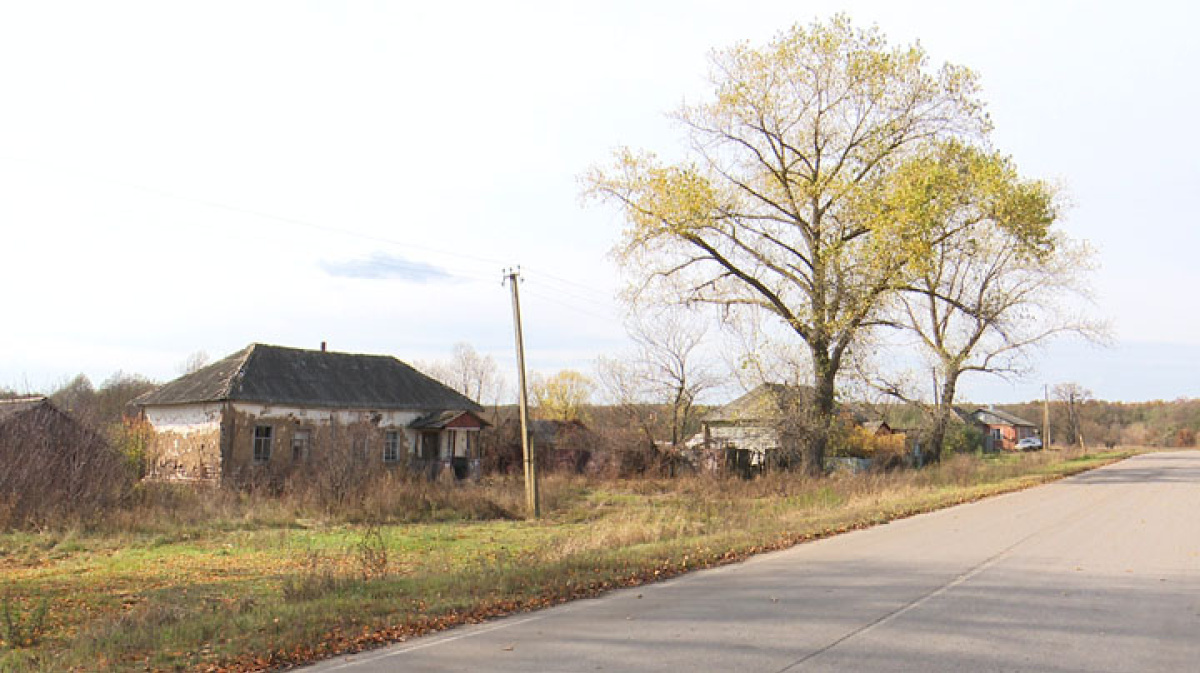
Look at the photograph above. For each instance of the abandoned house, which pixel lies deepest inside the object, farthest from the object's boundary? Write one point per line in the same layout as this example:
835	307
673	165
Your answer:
561	446
745	435
269	410
748	434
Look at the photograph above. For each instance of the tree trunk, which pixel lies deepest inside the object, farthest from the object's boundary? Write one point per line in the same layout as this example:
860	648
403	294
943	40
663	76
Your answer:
941	419
820	413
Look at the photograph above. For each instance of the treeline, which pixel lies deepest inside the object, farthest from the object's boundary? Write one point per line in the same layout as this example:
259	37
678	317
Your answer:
1159	423
99	407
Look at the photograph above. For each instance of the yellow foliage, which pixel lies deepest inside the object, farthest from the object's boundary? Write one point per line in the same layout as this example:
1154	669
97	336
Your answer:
859	442
562	396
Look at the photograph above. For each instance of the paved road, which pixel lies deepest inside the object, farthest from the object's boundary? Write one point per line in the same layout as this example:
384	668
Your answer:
1100	572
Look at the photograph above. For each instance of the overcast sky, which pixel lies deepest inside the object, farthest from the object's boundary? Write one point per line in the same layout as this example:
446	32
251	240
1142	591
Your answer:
181	177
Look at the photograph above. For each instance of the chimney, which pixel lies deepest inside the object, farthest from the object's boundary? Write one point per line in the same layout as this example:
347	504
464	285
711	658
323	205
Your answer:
322	346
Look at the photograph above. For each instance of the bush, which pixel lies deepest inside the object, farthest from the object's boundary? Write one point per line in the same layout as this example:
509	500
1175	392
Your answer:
55	470
885	451
963	438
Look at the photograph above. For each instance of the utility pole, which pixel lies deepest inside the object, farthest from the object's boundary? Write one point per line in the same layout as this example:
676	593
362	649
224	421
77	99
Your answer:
1046	417
532	504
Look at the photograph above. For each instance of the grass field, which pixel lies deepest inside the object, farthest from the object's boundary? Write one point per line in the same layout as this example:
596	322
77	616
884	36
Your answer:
220	581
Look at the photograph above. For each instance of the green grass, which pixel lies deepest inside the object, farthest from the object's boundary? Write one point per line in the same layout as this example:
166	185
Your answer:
253	587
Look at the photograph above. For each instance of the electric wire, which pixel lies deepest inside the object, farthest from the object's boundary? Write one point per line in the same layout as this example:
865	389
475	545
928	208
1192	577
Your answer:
548	282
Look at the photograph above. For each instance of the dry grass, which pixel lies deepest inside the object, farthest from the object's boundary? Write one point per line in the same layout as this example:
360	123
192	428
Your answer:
192	579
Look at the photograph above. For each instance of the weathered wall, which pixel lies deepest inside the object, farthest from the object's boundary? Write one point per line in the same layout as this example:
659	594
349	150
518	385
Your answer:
333	435
1009	436
756	439
186	444
216	441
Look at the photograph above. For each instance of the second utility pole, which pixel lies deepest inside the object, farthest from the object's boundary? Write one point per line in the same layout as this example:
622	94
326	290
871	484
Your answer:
532	506
1046	418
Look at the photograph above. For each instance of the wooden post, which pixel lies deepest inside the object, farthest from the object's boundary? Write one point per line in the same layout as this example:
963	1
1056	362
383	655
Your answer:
532	504
1046	418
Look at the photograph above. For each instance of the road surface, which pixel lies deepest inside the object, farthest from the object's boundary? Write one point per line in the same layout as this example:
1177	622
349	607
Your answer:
1099	572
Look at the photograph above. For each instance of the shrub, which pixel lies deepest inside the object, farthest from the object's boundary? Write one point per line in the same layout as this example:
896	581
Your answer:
963	438
55	470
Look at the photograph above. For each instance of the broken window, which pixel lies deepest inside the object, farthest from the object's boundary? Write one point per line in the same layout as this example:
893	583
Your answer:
391	446
300	445
262	443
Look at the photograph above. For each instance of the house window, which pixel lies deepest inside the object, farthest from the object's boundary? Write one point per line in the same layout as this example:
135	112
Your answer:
391	446
300	445
262	443
996	434
362	445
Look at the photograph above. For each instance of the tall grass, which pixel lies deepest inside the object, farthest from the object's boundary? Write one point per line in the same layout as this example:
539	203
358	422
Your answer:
195	577
172	509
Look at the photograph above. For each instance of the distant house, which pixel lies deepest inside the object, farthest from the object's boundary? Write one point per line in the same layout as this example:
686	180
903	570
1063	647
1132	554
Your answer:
747	434
878	428
1002	430
269	410
562	445
565	446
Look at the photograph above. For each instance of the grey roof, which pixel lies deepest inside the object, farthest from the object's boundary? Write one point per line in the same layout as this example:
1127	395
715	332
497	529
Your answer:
876	426
1001	418
962	415
761	404
279	375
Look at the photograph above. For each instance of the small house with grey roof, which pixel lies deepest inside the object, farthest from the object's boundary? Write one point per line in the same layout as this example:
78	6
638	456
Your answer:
1002	430
747	434
270	411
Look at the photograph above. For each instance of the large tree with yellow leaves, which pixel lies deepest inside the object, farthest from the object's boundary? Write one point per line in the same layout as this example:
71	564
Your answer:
800	193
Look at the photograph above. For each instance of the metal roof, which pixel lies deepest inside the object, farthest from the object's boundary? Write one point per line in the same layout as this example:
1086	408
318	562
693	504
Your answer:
278	375
1003	417
764	403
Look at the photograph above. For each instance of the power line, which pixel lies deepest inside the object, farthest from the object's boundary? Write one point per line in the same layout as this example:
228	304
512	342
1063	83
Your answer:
571	282
260	214
549	287
594	293
572	307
